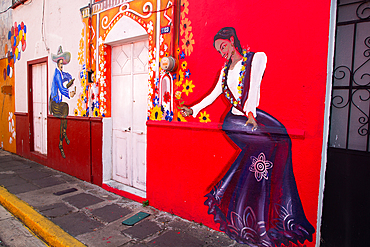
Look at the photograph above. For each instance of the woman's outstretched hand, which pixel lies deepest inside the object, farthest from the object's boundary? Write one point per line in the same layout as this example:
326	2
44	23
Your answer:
185	111
251	121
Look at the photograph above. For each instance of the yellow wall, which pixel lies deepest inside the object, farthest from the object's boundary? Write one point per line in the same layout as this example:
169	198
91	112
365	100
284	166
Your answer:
7	109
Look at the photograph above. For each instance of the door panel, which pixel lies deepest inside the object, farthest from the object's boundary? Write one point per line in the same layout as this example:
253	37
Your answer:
121	155
346	200
139	162
345	215
39	95
140	102
121	113
129	113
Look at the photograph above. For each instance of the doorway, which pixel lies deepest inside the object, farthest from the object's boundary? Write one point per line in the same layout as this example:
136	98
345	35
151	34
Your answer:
345	206
129	113
38	107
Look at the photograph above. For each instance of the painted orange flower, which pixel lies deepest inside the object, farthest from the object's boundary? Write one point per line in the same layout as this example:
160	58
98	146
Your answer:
80	58
185	8
185	26
204	117
188	43
188	87
156	113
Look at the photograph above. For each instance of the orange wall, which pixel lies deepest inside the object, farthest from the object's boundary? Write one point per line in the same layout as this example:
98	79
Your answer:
7	109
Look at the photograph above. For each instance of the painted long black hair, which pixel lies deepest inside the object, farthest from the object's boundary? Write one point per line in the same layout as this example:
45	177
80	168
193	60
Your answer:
226	33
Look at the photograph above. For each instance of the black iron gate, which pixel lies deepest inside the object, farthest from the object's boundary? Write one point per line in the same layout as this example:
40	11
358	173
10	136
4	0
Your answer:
346	210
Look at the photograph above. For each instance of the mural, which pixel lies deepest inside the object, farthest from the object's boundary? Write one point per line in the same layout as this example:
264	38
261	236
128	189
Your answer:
59	108
164	106
7	123
257	201
110	14
17	39
163	101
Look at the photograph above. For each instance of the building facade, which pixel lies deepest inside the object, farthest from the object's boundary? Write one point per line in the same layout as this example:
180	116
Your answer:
100	90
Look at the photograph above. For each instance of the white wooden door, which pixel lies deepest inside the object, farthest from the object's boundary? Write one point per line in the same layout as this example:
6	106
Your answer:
129	113
39	93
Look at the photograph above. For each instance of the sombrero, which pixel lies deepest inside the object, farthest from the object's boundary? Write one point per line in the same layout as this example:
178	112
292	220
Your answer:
65	56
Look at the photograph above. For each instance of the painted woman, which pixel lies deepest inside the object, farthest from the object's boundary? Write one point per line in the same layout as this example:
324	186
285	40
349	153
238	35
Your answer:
257	201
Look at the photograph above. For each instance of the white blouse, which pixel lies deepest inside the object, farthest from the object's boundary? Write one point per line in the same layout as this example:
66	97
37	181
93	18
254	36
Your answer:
257	69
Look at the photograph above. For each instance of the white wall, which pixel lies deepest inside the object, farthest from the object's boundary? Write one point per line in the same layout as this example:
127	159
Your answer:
5	25
63	25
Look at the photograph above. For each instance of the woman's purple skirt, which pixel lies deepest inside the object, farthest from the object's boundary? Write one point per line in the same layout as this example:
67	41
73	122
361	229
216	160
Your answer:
257	201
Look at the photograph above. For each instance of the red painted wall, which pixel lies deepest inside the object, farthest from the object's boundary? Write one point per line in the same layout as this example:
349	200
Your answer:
22	140
184	163
83	154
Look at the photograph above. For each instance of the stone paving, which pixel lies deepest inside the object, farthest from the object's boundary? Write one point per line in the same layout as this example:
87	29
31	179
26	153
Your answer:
93	215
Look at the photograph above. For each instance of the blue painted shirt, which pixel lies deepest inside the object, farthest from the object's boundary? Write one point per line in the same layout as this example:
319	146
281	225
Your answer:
57	85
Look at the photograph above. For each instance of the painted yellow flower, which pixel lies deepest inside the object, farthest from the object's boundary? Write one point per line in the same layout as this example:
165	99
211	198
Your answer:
180	79
83	83
178	94
188	43
83	113
184	65
180	118
96	112
178	83
82	97
156	113
185	26
76	112
204	117
185	8
188	87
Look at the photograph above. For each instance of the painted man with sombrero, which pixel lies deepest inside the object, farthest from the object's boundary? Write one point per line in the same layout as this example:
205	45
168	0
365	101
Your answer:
57	107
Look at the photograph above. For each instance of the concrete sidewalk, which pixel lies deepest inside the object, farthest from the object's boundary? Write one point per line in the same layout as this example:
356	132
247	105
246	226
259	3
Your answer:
14	233
65	211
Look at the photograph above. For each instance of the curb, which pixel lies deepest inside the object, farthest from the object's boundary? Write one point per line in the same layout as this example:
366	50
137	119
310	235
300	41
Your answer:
52	234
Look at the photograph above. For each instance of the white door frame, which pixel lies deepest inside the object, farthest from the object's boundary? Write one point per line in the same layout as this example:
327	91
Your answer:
133	32
330	61
30	65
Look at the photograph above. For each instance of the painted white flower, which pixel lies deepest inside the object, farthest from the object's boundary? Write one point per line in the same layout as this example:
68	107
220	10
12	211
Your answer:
150	27
11	127
260	166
